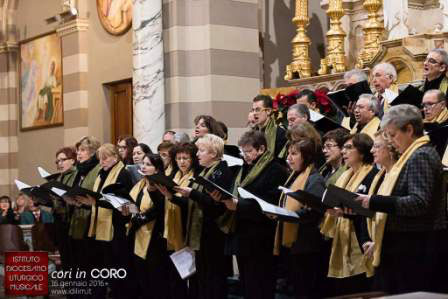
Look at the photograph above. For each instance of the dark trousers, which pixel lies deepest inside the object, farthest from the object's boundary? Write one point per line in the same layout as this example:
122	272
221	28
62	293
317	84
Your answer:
411	262
257	275
309	275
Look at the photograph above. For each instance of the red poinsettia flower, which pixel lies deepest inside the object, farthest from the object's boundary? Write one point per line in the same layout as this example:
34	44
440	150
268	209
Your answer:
323	100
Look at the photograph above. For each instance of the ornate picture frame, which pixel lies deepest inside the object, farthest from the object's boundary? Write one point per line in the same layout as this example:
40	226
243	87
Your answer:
40	82
115	15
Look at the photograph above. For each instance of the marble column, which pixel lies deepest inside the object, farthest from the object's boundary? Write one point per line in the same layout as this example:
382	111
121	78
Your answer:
148	73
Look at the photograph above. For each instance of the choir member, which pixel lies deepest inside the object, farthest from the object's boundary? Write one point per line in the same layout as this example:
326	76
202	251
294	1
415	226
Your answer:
87	169
385	156
205	223
138	153
125	146
65	165
168	136
308	98
366	111
206	124
334	165
306	246
306	130
413	248
252	234
177	210
346	259
384	76
164	151
262	109
297	114
434	71
354	76
107	224
147	228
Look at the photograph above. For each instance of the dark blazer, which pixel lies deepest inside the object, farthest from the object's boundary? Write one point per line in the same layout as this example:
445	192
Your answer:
309	238
254	231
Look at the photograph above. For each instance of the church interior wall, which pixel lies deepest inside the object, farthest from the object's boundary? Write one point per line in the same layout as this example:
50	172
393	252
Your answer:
109	59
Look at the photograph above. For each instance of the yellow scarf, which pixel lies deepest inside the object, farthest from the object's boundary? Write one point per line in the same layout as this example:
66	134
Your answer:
370	128
169	170
144	233
346	122
441	118
173	232
378	223
101	228
445	157
346	256
290	230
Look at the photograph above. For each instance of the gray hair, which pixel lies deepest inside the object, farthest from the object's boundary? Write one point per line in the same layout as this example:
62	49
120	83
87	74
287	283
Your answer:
388	69
373	102
439	94
301	109
403	115
360	75
181	138
442	53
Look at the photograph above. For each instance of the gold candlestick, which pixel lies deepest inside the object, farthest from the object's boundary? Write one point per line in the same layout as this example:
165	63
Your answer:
335	60
300	67
373	33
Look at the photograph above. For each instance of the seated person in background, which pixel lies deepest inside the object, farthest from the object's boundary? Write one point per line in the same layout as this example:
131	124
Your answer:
366	111
6	211
332	149
434	71
22	204
383	77
125	146
168	136
35	214
262	108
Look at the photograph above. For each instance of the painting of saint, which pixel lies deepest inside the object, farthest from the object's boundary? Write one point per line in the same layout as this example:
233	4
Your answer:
115	15
41	82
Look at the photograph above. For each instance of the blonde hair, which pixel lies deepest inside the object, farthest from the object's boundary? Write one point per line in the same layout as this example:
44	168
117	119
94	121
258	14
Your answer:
213	143
89	142
108	150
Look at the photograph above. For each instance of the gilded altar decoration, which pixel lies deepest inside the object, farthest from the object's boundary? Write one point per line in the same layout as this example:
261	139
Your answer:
40	74
300	67
334	62
373	33
115	15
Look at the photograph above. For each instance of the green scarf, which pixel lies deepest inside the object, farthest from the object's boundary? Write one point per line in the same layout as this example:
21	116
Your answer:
270	132
58	208
79	223
227	221
195	214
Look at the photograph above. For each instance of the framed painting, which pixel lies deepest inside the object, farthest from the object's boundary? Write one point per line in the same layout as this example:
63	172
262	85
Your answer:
115	15
40	87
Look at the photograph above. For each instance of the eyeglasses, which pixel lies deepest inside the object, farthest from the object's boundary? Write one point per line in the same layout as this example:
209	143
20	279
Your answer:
432	61
377	145
429	105
61	160
329	145
348	146
183	159
258	110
